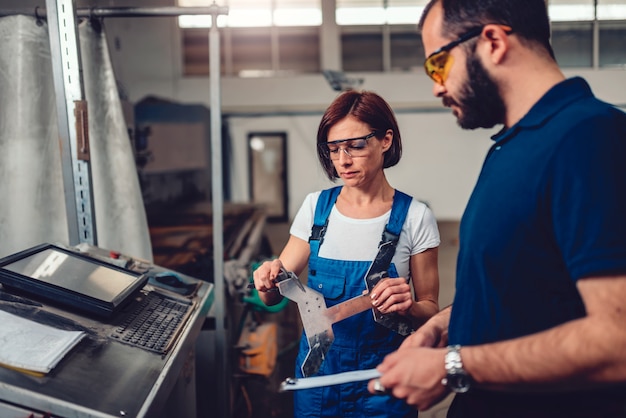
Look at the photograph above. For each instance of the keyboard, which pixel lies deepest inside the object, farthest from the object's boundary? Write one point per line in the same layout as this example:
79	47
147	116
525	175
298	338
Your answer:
153	322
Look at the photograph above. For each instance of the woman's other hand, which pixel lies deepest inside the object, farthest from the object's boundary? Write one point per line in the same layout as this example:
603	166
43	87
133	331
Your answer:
392	295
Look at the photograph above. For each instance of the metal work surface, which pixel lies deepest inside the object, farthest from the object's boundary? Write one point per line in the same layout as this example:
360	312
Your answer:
100	377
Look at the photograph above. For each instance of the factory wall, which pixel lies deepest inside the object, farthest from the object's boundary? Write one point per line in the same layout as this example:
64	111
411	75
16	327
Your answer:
440	162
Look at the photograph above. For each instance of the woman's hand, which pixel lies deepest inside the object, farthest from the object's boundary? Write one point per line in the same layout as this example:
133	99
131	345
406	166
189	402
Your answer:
265	275
265	281
293	258
392	295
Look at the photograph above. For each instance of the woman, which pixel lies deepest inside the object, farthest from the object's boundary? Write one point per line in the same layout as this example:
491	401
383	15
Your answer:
358	137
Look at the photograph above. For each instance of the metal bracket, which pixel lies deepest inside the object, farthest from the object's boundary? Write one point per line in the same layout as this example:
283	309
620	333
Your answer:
82	130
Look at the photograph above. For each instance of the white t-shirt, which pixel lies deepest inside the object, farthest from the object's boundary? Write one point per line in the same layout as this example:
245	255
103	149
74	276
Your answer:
357	239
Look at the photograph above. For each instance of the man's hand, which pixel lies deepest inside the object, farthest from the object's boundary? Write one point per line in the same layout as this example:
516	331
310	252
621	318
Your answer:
434	333
413	374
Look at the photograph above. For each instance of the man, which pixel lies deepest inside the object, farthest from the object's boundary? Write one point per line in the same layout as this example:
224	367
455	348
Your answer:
538	323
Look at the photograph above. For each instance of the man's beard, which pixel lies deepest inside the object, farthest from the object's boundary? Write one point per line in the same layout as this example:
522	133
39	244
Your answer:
480	101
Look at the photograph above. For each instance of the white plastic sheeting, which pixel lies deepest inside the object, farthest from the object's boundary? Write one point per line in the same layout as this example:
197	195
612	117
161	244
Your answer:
120	214
31	183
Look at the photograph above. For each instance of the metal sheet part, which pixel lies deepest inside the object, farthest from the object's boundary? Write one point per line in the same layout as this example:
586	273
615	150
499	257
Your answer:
348	308
378	271
316	318
317	326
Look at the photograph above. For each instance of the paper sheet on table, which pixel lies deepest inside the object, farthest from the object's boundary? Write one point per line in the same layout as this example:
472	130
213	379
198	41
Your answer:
31	347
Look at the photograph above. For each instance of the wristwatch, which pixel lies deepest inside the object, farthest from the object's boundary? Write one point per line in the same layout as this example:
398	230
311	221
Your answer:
457	379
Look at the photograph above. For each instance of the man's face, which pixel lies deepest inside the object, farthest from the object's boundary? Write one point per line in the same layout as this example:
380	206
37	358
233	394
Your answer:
468	88
480	103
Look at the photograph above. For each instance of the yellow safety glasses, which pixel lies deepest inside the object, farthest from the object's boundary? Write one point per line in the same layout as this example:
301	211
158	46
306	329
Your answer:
438	64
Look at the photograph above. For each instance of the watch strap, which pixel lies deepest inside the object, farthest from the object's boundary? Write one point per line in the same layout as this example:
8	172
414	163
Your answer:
457	379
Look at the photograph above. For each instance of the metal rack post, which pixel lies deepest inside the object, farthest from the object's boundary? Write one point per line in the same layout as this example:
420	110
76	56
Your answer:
222	360
72	120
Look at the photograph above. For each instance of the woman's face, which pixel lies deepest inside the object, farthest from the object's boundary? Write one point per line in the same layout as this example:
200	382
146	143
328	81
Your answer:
359	159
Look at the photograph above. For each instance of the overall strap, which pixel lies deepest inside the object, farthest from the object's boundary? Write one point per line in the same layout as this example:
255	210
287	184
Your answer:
389	239
325	204
386	250
399	209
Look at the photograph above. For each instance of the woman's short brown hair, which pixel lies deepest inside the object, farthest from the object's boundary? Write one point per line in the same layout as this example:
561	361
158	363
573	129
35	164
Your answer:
368	107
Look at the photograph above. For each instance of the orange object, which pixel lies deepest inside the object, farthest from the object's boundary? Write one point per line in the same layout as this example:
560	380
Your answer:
258	349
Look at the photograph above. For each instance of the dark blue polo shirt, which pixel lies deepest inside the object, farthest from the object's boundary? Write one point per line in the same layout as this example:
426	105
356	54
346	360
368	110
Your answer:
549	208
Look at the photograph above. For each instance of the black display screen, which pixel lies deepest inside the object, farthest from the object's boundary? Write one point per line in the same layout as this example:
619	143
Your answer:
57	273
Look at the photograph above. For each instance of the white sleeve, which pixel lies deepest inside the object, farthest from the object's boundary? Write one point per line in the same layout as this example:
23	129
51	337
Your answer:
303	221
425	233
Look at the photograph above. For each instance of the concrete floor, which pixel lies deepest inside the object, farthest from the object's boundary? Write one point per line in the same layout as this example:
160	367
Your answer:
258	396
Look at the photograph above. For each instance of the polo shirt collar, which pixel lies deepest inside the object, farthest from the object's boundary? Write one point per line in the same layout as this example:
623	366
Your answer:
559	96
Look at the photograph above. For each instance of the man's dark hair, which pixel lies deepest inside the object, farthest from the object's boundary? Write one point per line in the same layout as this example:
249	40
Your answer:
528	18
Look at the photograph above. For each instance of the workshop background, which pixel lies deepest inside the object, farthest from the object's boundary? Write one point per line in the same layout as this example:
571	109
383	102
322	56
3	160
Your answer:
281	63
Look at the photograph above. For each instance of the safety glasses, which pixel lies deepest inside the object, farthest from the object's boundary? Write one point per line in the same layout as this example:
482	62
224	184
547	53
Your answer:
438	64
353	147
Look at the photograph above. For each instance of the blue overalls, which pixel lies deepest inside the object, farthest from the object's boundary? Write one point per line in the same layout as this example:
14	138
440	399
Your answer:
360	343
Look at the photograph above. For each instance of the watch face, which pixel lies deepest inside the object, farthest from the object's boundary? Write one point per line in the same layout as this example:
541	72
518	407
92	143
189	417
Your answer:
458	383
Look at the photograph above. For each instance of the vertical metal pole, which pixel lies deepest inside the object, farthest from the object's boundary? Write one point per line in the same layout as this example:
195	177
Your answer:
274	42
274	45
596	38
72	121
221	340
330	38
386	34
